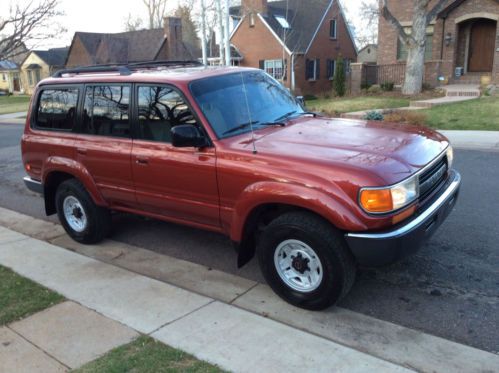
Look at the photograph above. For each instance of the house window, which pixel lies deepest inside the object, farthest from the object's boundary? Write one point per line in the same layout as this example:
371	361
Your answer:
331	69
402	48
283	22
37	76
252	19
313	69
30	78
4	77
333	29
274	68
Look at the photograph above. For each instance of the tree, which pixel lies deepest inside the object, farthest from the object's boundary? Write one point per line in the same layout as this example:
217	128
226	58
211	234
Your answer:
156	10
415	41
133	23
339	82
27	25
189	29
369	13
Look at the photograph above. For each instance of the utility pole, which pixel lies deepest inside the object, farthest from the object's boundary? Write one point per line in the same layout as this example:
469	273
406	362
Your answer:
220	30
203	32
227	34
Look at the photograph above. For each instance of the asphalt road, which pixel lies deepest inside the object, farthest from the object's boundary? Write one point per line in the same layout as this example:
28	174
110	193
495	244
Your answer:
449	289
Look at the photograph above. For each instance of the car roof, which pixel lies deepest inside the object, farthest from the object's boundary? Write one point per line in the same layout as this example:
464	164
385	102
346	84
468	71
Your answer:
147	75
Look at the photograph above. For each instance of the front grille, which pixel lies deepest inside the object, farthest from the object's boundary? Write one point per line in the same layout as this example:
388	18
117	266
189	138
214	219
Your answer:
432	178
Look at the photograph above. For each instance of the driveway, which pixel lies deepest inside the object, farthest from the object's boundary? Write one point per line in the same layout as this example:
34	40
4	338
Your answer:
448	289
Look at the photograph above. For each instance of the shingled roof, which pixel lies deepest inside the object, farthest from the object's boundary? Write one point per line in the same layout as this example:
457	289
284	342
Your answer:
54	56
304	18
131	46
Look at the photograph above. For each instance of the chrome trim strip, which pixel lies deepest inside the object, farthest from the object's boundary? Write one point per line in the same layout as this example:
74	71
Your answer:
454	185
33	185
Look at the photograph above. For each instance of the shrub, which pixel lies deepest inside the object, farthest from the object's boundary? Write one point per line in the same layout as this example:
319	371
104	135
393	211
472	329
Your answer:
373	115
365	86
387	86
309	97
339	82
375	89
407	117
427	87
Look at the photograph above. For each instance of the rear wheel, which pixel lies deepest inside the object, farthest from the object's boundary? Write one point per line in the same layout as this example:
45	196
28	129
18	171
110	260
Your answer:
82	219
306	261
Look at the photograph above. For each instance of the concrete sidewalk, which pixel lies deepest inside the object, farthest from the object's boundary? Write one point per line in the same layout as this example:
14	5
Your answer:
223	319
482	140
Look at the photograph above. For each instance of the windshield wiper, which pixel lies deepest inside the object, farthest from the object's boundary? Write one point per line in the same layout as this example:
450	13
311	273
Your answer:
286	116
248	124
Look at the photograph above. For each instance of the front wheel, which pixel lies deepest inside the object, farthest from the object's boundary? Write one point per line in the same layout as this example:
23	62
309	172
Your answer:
82	219
306	261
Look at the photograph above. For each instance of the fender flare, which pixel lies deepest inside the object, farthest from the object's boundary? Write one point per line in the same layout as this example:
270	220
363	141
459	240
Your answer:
334	205
76	169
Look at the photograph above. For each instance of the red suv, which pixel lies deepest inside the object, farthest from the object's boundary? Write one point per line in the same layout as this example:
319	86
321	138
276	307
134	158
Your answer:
232	151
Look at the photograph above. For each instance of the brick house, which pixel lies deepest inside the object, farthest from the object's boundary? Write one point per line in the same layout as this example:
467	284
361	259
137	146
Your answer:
464	36
295	41
89	48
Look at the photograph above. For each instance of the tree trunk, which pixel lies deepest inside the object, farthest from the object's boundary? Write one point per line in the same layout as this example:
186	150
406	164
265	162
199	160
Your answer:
416	46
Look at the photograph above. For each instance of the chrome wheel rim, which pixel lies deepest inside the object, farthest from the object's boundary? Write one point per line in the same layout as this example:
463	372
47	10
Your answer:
298	265
74	213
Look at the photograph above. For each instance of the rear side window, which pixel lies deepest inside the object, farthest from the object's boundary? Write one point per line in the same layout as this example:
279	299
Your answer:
105	111
57	109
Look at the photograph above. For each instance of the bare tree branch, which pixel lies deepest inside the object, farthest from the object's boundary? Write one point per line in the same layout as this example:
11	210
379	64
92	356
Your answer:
387	14
436	9
28	24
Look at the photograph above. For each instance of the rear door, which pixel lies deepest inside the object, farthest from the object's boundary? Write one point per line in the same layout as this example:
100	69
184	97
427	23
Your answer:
177	183
104	143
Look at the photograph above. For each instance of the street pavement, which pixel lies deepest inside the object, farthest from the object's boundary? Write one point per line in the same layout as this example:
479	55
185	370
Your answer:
449	289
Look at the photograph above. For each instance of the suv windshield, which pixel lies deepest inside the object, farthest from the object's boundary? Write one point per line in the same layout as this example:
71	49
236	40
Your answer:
234	103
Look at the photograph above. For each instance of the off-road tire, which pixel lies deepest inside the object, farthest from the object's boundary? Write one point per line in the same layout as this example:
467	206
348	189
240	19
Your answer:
338	265
98	218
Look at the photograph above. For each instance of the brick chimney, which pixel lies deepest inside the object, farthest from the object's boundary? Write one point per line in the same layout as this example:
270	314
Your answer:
254	6
173	32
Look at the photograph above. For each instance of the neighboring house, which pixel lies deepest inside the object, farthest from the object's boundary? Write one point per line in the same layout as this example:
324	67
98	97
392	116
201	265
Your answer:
132	46
297	42
9	77
368	54
39	65
462	40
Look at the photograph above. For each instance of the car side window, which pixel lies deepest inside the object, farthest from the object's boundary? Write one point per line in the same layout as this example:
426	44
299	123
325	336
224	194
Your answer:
105	111
57	109
159	109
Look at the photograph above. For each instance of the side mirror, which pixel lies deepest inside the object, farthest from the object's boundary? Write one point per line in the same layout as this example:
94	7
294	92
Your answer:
187	136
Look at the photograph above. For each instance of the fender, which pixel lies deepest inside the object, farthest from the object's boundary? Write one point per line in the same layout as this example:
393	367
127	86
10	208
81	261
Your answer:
70	166
333	205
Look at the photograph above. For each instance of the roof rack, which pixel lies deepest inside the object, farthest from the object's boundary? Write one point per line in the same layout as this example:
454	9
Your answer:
124	69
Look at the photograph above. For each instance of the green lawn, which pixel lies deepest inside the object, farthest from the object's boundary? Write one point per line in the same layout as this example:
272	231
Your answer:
20	297
335	106
147	355
13	104
480	114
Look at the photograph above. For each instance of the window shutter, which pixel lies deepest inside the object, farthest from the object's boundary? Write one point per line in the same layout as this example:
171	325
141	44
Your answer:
307	69
328	62
318	69
262	64
285	71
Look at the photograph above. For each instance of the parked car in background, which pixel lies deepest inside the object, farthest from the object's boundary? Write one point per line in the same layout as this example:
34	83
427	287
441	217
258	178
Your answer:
231	151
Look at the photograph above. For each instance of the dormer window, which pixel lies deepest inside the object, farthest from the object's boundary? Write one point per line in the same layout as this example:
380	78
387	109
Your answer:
283	22
333	29
252	19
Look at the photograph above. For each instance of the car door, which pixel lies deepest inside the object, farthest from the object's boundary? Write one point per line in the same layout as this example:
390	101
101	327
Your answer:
104	143
176	183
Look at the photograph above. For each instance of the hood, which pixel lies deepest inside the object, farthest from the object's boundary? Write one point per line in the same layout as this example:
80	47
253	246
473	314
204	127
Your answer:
391	152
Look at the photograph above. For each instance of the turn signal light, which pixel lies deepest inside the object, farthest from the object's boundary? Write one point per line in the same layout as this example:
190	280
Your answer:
376	200
28	167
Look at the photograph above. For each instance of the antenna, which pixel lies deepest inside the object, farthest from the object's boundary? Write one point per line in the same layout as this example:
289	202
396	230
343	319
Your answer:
249	114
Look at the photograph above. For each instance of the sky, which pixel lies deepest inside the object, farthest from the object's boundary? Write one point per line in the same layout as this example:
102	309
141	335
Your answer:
110	16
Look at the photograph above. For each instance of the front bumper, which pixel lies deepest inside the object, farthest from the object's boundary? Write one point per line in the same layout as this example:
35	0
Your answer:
382	248
33	185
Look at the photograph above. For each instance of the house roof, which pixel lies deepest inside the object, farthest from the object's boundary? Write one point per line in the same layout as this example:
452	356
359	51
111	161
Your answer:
54	56
368	46
303	17
131	46
8	65
453	5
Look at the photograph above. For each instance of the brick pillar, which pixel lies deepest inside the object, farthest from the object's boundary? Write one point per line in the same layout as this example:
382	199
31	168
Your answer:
356	78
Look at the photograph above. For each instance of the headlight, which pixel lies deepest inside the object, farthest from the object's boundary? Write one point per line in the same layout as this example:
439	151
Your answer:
450	157
384	200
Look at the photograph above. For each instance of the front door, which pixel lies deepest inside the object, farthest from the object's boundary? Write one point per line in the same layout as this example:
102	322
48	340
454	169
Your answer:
482	46
15	80
176	183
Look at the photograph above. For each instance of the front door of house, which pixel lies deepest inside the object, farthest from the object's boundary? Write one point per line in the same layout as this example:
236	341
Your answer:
15	81
482	46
